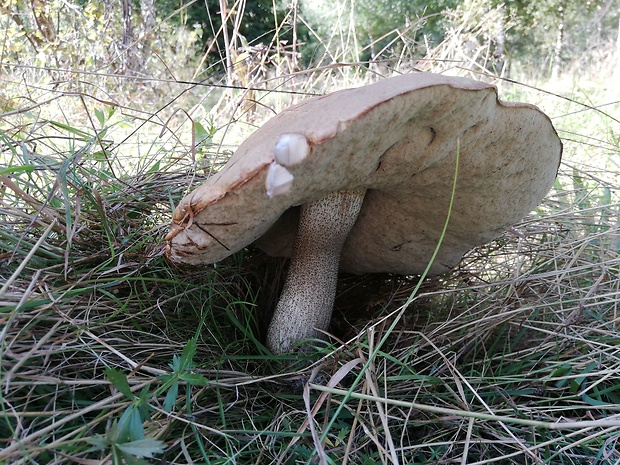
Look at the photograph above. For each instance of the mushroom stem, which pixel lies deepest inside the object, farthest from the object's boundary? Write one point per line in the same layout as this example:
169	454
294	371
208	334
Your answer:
307	301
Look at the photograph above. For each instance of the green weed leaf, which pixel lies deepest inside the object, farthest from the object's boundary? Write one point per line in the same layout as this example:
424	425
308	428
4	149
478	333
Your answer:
127	459
100	116
125	449
181	370
188	353
17	169
580	380
119	381
98	443
563	370
202	135
142	448
195	379
171	397
130	426
70	129
593	402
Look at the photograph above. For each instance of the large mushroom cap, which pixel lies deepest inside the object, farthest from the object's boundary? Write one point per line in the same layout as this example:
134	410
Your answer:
396	138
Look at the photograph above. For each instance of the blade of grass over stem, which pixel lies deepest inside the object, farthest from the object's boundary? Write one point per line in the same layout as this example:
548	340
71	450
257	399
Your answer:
397	315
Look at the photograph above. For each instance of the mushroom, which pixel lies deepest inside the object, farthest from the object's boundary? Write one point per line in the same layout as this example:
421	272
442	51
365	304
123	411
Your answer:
360	181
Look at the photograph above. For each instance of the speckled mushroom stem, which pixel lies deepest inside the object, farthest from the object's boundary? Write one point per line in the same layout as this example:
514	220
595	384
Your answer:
307	300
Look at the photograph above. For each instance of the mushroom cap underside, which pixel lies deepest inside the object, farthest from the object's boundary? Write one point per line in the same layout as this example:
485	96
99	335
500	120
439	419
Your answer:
398	139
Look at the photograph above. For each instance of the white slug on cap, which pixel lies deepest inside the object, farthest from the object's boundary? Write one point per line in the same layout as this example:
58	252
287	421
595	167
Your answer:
279	180
291	149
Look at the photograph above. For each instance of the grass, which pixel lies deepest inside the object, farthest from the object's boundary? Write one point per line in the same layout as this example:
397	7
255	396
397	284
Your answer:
111	355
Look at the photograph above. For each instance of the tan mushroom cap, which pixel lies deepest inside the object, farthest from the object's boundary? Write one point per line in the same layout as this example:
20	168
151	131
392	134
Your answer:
398	139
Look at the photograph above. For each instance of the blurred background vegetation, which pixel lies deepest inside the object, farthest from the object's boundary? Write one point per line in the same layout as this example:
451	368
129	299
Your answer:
138	37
